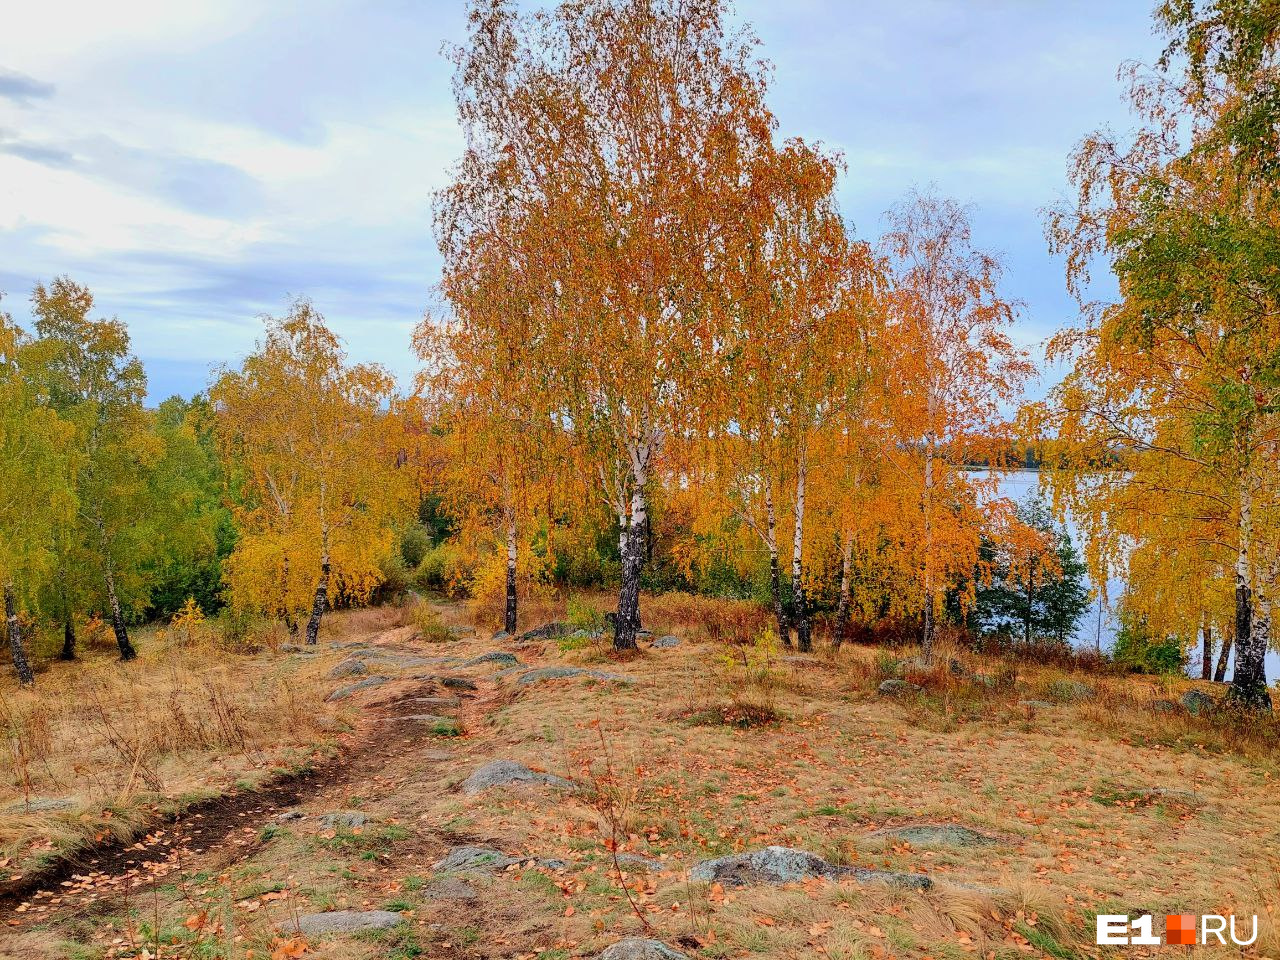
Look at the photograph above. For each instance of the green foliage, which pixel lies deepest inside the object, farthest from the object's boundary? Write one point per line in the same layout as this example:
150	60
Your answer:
581	615
1052	600
1138	650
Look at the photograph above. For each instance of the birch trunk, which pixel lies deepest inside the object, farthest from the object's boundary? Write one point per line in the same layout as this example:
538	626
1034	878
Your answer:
1248	680
510	614
627	624
799	610
14	630
319	604
846	577
117	617
1224	655
775	573
1206	654
927	627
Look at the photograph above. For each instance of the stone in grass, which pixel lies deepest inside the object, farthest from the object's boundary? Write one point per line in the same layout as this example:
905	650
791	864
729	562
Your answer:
347	921
41	805
1197	702
1163	706
1071	691
640	948
895	687
367	683
500	636
560	673
495	656
637	861
456	683
505	773
450	888
936	834
778	865
350	667
344	820
548	631
473	859
670	640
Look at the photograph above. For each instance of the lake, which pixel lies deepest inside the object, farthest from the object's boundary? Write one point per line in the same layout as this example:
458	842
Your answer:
1098	627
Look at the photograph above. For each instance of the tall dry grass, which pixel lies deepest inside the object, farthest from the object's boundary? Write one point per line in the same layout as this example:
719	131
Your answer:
96	743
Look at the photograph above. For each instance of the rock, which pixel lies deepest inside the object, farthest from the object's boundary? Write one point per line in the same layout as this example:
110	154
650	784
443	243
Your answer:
1071	691
367	683
1197	702
344	820
503	773
291	815
1037	704
939	834
639	948
1163	706
663	643
636	861
347	921
496	656
436	725
500	636
462	631
41	805
559	673
450	888
548	631
895	688
350	667
456	683
349	645
290	648
460	859
787	865
435	703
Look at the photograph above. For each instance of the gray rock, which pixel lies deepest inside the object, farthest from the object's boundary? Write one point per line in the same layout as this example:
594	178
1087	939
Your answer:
349	645
936	834
787	865
290	648
456	683
500	636
1197	702
473	859
450	888
41	805
344	820
1163	706
347	921
636	861
639	948
495	656
350	667
435	703
290	815
462	631
548	631
504	773
559	673
1071	691
912	665
367	683
894	688
669	640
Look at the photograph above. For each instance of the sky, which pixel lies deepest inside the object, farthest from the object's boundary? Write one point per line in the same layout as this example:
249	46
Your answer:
199	163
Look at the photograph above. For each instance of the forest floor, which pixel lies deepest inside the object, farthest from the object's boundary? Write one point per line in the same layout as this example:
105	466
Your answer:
1084	795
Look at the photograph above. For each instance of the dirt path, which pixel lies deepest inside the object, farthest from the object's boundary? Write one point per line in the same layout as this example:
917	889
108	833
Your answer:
215	834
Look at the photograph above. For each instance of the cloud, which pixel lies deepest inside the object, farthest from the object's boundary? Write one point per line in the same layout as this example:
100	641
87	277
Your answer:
22	89
190	183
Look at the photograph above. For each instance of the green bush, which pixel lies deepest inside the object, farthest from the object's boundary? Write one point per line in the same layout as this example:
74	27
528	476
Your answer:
1138	650
581	615
415	542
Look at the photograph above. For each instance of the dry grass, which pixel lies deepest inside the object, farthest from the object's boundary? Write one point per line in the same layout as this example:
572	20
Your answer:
97	747
843	762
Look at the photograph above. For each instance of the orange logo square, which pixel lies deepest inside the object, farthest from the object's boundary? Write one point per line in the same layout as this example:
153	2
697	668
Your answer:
1180	929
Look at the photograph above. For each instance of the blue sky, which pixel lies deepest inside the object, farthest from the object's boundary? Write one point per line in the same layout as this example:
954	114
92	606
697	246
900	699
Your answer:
197	163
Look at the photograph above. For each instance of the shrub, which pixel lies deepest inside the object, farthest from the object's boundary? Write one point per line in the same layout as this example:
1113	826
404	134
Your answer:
427	622
444	568
1137	650
582	615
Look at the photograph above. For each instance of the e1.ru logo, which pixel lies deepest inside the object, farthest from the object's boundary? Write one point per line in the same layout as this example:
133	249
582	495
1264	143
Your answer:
1179	930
